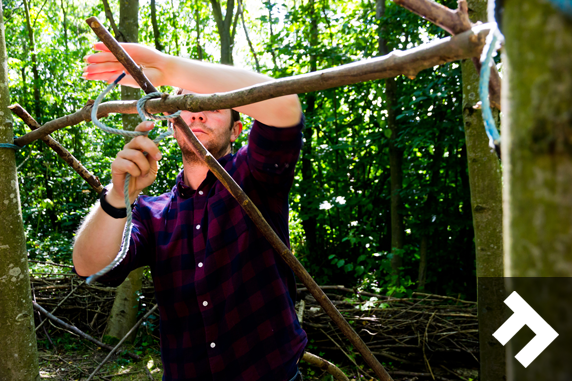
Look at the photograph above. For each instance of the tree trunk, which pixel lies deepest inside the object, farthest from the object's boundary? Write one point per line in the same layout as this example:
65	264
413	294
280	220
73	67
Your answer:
430	208
272	52
18	350
123	314
310	224
485	180
63	4
125	307
198	30
32	48
156	33
224	29
395	154
537	162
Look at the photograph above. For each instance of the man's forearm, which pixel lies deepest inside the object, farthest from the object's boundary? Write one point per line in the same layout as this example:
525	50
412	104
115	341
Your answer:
98	240
205	78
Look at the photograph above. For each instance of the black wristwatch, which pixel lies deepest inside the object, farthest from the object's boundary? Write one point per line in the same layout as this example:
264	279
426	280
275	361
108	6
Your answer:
111	210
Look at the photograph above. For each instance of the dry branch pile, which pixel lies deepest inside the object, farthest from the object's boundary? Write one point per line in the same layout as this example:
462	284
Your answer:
424	337
415	337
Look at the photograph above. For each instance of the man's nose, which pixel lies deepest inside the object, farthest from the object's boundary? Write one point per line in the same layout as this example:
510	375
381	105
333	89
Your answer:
198	116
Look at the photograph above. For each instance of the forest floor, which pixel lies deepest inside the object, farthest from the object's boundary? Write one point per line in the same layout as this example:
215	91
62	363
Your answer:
422	337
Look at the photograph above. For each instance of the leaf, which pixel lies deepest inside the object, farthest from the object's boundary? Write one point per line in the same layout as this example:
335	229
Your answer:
341	263
387	132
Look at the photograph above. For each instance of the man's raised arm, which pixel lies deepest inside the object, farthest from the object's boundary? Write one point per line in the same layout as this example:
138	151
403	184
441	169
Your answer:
196	76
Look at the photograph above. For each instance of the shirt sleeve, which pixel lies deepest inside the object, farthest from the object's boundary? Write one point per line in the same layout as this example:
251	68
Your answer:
137	255
273	153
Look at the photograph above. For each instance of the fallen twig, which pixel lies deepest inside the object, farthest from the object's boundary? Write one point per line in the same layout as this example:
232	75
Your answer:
122	340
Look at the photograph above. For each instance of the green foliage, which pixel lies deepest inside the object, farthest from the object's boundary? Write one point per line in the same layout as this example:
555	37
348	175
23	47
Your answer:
348	193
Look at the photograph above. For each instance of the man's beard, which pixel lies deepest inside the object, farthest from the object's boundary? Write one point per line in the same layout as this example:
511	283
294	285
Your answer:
190	157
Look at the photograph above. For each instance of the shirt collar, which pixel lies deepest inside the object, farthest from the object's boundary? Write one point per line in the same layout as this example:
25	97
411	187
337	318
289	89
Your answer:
185	191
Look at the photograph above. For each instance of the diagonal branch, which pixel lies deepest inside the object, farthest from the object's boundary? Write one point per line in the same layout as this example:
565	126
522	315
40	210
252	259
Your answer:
248	206
408	62
78	331
58	148
454	22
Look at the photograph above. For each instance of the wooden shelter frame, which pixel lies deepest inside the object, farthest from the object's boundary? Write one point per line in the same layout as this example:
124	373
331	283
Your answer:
467	42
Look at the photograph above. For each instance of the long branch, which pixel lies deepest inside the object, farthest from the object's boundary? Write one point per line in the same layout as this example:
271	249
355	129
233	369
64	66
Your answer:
455	22
409	62
58	148
247	205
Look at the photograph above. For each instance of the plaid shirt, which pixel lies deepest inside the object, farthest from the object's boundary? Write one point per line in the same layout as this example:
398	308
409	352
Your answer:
226	298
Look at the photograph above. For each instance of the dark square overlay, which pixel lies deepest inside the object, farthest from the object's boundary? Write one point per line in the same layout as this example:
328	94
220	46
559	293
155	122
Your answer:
551	298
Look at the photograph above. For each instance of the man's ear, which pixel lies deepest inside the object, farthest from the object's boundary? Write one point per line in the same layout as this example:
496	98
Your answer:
236	130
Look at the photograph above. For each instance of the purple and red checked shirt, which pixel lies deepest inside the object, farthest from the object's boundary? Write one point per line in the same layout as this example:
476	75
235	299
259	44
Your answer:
226	298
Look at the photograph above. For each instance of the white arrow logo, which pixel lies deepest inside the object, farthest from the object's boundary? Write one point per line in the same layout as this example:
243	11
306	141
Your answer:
525	315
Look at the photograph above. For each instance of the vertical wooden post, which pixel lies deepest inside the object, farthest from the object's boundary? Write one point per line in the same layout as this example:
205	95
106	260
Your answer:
485	179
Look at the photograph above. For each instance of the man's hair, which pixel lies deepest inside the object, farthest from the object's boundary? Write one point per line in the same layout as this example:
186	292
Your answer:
234	115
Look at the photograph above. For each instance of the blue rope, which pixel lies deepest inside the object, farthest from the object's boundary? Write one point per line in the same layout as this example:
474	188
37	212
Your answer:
10	145
486	58
143	114
564	6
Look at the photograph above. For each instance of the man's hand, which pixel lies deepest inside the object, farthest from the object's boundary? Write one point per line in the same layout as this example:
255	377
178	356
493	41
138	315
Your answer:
105	67
143	169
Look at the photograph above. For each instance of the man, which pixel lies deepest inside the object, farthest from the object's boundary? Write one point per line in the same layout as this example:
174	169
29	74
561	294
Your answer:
226	298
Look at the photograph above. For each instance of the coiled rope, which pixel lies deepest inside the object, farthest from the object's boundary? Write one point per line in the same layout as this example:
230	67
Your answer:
143	114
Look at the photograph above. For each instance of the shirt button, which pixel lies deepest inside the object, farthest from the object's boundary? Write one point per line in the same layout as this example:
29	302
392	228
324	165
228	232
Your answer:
200	264
198	227
213	345
201	193
276	165
205	303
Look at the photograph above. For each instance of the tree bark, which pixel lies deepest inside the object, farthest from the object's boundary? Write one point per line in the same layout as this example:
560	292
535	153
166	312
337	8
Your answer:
18	350
125	306
485	181
224	29
395	155
32	48
537	164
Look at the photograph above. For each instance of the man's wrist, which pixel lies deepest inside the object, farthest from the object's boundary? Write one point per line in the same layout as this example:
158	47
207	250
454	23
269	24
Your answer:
116	200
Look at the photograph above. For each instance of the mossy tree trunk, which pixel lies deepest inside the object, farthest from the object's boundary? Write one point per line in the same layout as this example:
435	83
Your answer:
123	314
537	162
486	205
18	350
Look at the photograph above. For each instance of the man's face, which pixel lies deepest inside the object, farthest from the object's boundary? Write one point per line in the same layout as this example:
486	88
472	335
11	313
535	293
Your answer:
214	129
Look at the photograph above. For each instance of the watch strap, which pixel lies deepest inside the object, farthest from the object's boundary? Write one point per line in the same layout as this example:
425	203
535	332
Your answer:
109	209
